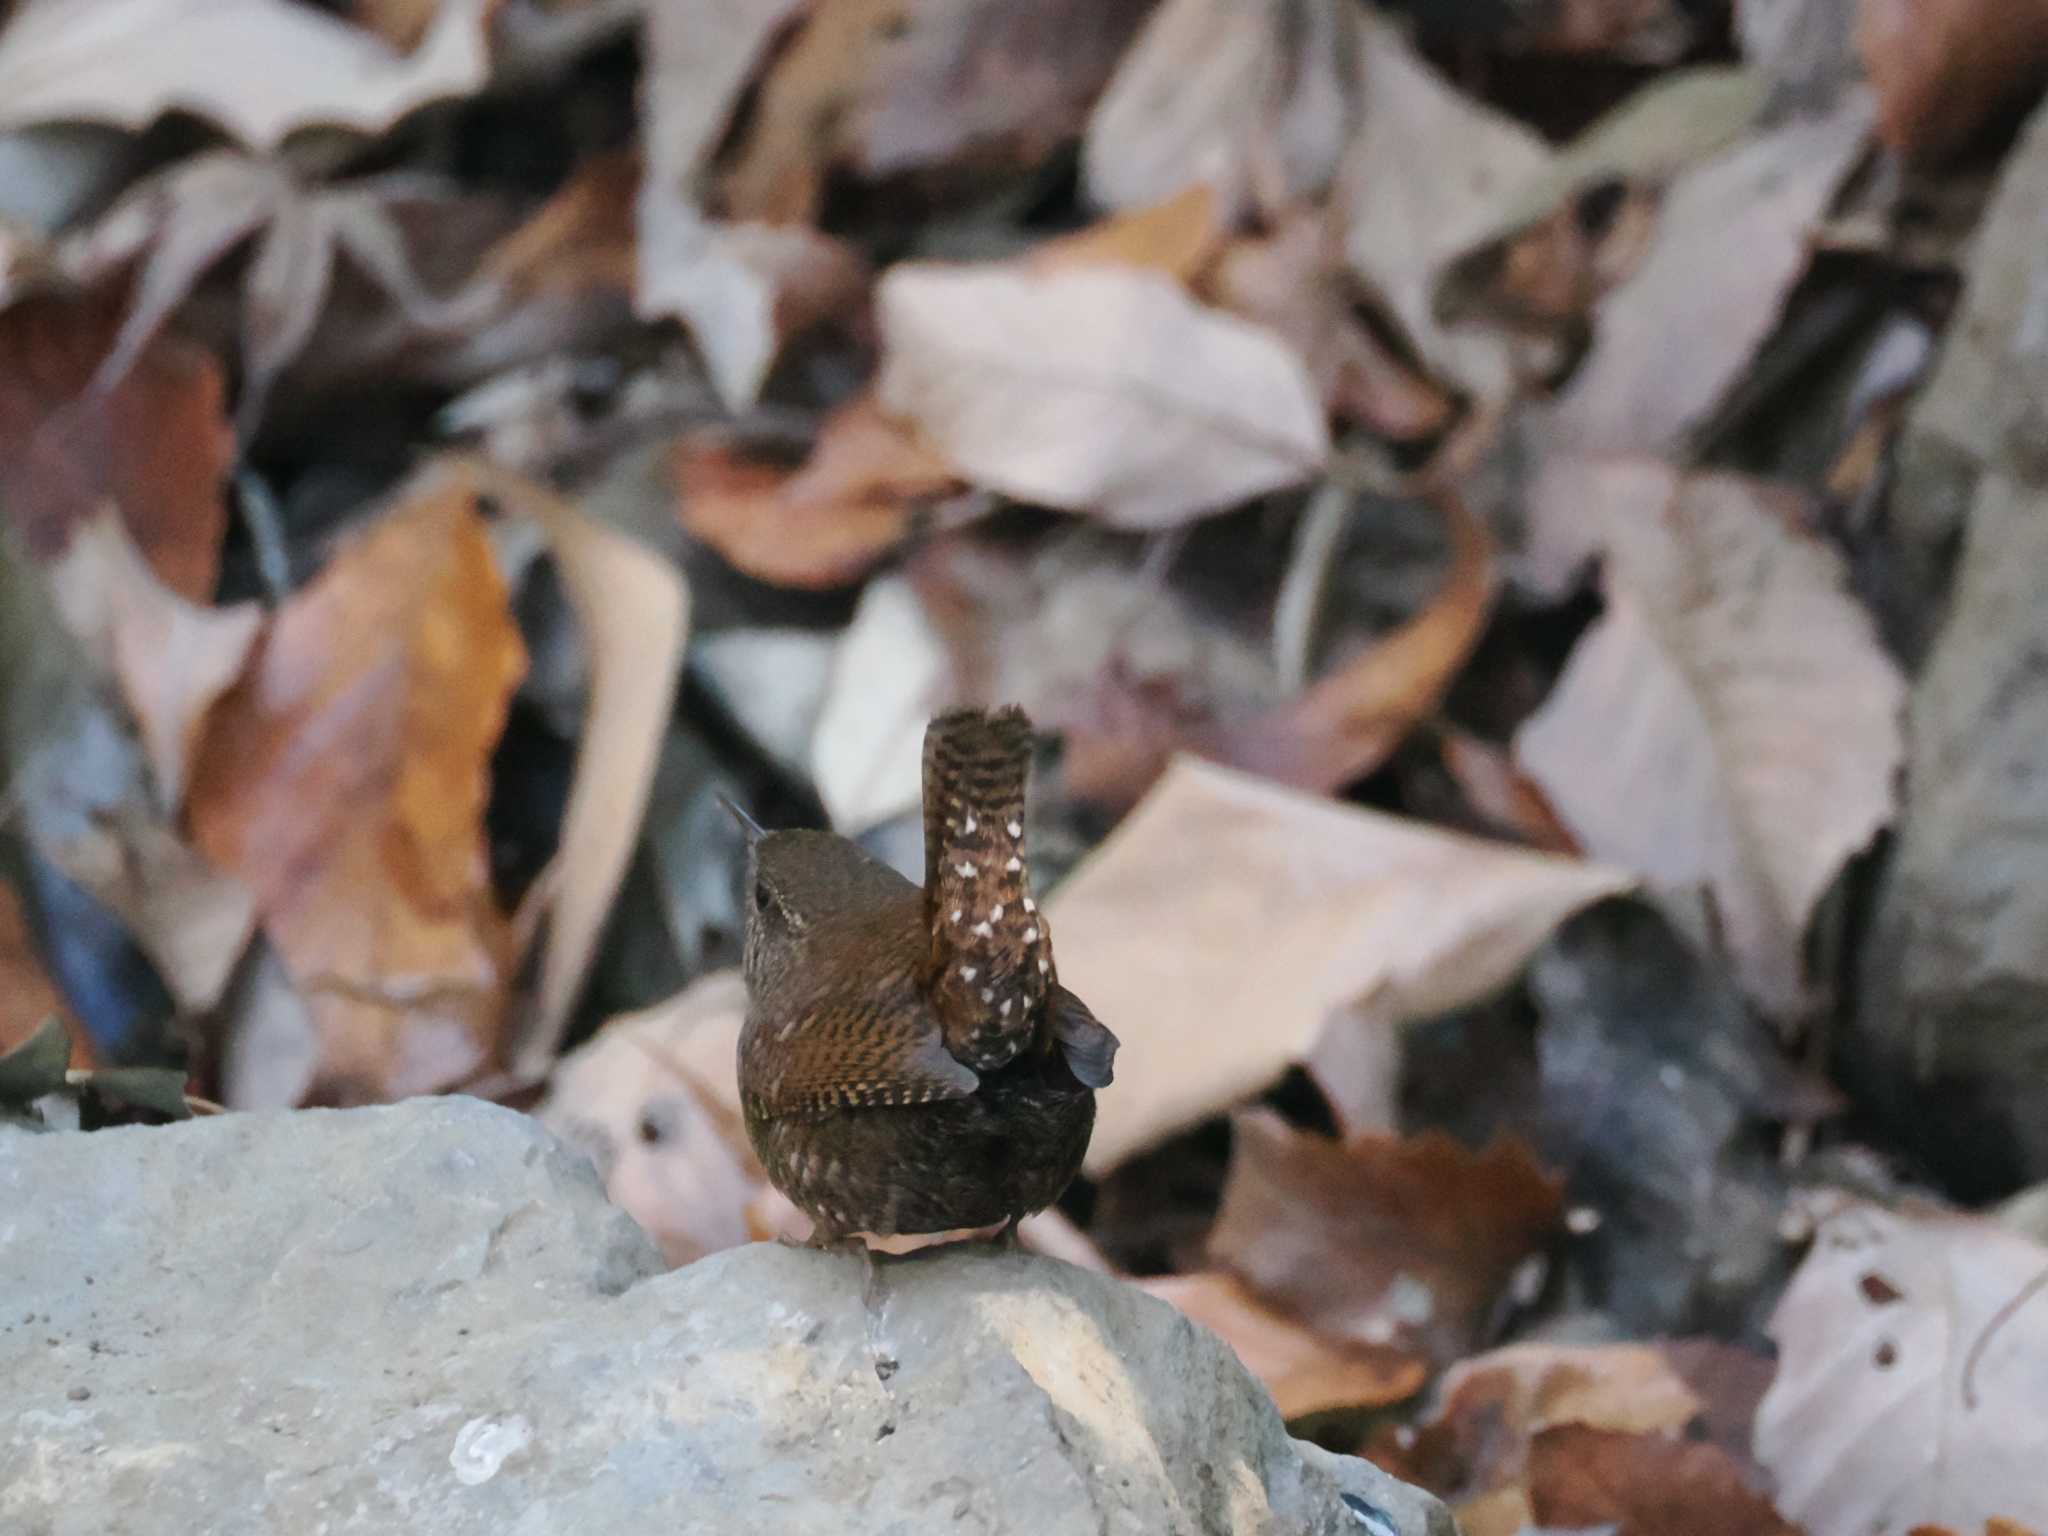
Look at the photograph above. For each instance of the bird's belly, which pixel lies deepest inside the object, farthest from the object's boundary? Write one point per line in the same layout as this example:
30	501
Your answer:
929	1167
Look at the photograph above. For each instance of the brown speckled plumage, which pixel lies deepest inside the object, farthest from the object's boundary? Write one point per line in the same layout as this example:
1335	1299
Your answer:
910	1062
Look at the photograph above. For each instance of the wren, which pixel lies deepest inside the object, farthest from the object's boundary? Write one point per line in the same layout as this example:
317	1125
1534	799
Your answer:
910	1062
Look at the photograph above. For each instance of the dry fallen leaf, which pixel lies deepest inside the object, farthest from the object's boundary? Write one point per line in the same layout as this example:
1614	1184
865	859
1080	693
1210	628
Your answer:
1382	1241
345	778
27	995
1942	68
1098	389
1293	281
1179	237
169	657
156	443
1645	1485
1501	793
885	87
1490	1407
1732	237
1912	1357
127	62
1216	986
1422	181
645	1098
175	227
634	614
824	523
1257	100
1304	1371
1350	721
890	675
1730	722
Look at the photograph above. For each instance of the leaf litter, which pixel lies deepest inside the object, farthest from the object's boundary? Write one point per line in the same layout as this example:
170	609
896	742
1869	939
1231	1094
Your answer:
1434	478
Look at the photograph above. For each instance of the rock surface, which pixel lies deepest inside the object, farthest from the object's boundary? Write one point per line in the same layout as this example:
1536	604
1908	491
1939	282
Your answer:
1951	1036
425	1318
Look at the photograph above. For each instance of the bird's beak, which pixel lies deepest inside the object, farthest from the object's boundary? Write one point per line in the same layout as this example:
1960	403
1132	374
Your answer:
753	829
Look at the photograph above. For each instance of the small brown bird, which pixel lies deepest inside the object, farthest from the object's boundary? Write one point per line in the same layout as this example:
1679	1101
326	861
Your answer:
910	1062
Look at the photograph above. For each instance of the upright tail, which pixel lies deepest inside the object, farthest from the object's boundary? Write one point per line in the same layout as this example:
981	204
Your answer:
991	949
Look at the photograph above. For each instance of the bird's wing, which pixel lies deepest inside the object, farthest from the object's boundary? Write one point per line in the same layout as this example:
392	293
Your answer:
991	951
886	1052
1083	1039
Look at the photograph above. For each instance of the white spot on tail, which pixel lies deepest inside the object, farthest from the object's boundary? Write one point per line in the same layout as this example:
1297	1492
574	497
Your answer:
970	824
1016	829
958	914
983	930
996	916
969	972
1030	905
964	869
988	995
1005	1009
1045	967
1014	865
1030	935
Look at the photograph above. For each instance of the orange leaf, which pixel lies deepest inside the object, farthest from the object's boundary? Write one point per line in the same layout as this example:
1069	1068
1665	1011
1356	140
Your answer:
1178	237
345	780
824	524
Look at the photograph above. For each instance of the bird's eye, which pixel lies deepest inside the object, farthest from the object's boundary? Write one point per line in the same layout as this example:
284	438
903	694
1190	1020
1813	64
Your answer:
761	896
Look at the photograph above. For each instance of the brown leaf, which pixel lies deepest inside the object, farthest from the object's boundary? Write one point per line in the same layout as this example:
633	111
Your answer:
157	443
1304	1372
825	523
1911	1353
27	995
581	237
1215	986
1641	31
1379	1240
646	1098
1178	237
1293	282
1492	1406
1731	722
1099	389
1257	100
127	62
883	87
345	780
1350	721
1648	1485
1942	68
634	614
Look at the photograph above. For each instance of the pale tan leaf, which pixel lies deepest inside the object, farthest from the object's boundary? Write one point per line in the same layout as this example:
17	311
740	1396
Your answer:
1216	986
742	289
1731	722
647	1099
1732	237
170	658
1303	1370
1178	236
634	613
261	69
880	88
1257	100
1912	1366
1097	389
1422	181
891	674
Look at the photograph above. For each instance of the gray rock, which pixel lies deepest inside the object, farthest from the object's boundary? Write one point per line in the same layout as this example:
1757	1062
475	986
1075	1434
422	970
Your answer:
1951	1034
425	1318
